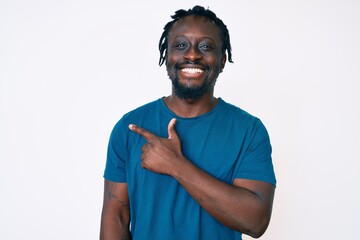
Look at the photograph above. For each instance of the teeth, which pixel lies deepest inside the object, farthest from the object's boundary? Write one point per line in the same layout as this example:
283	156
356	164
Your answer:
192	70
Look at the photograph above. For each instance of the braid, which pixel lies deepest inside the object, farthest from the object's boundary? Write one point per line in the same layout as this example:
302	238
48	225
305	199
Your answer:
199	11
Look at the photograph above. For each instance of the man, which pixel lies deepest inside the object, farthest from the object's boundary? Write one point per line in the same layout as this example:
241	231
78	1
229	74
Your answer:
189	166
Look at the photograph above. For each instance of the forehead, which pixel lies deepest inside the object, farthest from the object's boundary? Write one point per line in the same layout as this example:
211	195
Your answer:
195	25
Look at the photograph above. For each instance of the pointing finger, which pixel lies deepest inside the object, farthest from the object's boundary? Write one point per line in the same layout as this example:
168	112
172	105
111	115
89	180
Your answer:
171	128
142	132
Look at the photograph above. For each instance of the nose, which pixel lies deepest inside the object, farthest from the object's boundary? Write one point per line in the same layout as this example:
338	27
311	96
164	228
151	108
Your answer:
192	54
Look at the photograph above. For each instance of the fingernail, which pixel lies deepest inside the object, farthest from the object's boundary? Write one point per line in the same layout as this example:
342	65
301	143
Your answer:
131	126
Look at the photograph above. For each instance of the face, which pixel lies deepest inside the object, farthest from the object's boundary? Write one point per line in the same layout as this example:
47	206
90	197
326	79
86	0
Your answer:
194	56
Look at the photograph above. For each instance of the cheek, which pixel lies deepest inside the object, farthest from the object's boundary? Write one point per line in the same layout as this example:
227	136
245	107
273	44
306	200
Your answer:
170	70
170	59
216	65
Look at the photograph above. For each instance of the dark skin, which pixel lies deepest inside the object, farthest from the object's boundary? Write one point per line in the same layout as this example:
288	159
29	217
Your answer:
190	48
245	205
115	217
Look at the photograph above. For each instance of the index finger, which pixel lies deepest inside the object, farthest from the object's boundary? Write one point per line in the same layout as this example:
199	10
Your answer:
142	132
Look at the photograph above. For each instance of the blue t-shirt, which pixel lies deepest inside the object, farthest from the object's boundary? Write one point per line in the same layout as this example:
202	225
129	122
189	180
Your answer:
227	143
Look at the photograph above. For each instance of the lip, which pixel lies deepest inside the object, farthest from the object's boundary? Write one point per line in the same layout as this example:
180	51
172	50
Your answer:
191	69
191	72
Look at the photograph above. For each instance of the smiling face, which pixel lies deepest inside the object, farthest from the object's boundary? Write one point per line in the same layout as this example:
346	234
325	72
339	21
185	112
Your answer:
194	56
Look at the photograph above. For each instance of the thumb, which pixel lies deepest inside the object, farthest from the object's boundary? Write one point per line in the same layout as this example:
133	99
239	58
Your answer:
171	129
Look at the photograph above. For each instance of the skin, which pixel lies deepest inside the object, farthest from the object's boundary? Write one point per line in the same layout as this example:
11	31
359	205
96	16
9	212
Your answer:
115	217
245	205
194	42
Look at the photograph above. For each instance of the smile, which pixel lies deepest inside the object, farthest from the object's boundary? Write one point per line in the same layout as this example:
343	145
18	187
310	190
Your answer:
192	70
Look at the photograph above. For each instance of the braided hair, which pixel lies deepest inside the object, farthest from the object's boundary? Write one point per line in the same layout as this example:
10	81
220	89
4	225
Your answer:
198	11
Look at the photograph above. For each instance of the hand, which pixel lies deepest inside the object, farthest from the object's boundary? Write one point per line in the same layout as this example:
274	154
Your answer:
160	155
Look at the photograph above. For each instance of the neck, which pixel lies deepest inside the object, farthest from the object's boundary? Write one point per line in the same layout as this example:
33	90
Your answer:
188	108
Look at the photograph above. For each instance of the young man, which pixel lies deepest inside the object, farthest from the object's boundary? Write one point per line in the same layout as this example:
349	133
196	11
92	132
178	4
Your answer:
189	166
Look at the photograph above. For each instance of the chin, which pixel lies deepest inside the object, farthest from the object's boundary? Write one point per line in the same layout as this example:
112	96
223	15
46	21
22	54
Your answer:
189	92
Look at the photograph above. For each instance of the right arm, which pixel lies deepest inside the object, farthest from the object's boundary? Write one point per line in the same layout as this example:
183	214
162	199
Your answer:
115	217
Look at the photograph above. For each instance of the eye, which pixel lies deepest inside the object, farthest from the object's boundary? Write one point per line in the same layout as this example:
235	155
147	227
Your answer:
180	45
205	47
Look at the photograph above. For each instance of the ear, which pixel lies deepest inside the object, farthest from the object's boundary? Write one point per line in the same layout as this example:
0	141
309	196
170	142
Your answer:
223	61
166	57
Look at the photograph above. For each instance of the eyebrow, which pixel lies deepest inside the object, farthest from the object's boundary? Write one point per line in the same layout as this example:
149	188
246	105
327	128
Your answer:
184	36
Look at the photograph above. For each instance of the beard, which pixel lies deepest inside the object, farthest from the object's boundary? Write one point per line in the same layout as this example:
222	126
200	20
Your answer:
192	92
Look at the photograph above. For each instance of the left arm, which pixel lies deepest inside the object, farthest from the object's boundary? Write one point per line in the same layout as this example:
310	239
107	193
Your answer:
244	206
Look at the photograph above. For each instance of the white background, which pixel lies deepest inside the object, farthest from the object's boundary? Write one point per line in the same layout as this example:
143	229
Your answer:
70	69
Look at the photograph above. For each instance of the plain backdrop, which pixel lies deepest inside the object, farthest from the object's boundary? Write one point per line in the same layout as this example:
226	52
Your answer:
70	69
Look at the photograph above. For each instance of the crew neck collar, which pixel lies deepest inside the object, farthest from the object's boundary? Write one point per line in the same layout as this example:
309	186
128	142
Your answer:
212	111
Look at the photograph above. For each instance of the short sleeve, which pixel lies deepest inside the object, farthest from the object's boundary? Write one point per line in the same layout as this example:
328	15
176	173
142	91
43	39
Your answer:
256	162
115	169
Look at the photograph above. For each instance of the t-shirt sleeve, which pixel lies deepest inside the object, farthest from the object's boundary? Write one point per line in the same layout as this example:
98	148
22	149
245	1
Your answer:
115	169
256	162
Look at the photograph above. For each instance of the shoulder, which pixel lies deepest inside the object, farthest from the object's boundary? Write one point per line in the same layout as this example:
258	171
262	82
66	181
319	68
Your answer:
141	111
236	113
137	115
146	108
241	121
